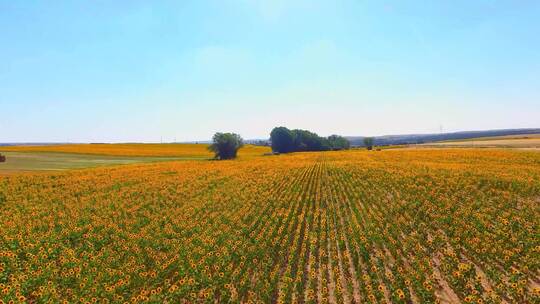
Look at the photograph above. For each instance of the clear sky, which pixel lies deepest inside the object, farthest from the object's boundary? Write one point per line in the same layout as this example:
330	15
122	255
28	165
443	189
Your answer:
115	71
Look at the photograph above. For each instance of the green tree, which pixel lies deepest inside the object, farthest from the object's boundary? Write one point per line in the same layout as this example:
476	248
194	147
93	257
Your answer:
226	145
337	142
282	140
305	140
368	142
285	140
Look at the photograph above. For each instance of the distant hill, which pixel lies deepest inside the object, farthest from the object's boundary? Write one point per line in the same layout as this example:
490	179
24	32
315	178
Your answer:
427	138
31	144
384	140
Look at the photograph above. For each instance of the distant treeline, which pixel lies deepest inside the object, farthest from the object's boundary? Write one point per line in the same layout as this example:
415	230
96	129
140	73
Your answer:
427	138
284	140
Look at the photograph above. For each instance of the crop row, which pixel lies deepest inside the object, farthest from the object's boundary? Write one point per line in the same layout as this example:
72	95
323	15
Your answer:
336	227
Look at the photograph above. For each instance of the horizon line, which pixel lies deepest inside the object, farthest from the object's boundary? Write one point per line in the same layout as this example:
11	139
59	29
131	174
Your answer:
205	141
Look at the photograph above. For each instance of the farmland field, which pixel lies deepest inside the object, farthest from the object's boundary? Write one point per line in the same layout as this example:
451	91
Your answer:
77	156
400	226
525	141
51	161
160	150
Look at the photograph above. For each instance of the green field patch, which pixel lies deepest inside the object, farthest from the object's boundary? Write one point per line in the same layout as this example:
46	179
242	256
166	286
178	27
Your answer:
47	161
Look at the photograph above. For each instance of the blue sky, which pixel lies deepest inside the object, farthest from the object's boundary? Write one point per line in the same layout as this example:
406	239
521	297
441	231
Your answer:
116	71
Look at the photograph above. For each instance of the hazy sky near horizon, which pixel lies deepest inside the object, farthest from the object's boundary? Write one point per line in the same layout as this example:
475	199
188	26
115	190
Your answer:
117	71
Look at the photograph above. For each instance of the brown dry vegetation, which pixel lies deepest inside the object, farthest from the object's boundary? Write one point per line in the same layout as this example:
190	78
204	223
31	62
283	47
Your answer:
527	141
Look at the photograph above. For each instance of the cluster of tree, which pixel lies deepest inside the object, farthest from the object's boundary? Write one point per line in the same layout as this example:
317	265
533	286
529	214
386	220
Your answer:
2	158
226	145
285	141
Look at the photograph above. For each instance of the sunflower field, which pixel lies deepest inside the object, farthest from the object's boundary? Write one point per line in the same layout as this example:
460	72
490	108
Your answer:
157	150
393	226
